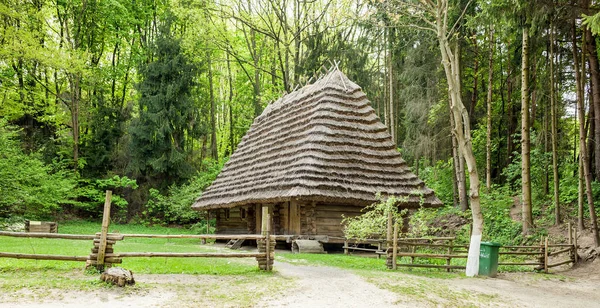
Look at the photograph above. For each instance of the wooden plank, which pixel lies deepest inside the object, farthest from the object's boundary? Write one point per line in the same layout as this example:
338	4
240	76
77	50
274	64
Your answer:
329	221
49	235
198	236
258	216
395	248
432	266
103	236
295	224
560	263
339	208
182	255
522	253
42	257
284	218
430	255
521	263
554	253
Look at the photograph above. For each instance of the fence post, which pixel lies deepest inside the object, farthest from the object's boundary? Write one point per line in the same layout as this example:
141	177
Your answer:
449	259
104	231
570	233
575	242
395	245
265	245
389	229
345	246
546	255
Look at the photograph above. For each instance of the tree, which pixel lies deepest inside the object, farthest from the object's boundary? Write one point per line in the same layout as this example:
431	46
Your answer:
167	115
435	16
583	154
527	218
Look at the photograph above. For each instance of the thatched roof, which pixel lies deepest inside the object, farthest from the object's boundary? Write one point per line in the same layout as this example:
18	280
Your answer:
322	142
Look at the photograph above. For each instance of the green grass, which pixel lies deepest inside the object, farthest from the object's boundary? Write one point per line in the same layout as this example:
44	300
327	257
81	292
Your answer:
361	264
34	279
139	265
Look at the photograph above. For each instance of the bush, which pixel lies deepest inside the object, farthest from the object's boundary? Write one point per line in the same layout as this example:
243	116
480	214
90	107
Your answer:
373	223
175	207
93	192
29	187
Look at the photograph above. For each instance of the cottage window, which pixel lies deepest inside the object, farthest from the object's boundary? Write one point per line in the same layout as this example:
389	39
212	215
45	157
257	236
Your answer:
226	213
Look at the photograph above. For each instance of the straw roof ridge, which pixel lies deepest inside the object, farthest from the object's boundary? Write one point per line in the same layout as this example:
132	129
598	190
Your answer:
339	130
320	101
406	181
321	187
317	137
322	142
289	100
345	154
324	130
330	167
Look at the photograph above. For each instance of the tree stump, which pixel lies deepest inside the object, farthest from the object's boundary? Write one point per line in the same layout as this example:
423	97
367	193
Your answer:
118	276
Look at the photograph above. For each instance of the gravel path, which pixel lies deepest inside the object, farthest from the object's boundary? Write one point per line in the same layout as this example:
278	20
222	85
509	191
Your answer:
320	286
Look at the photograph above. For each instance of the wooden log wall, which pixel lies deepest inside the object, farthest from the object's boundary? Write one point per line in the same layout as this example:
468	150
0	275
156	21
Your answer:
327	218
265	263
229	221
112	239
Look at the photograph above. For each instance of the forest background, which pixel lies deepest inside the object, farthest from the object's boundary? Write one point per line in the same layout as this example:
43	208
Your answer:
149	98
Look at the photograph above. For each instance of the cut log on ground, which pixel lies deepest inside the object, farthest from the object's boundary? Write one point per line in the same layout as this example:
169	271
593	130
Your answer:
118	276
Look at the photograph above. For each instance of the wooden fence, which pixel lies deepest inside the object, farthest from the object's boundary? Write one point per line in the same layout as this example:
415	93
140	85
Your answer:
418	252
103	251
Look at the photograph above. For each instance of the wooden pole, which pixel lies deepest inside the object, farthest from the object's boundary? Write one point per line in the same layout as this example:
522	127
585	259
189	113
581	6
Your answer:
575	242
104	232
570	233
345	246
546	255
389	228
395	245
449	258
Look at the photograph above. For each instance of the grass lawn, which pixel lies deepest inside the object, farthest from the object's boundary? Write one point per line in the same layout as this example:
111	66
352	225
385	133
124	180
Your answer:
37	278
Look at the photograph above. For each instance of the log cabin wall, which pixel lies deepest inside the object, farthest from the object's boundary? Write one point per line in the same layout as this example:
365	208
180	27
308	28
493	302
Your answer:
328	218
232	221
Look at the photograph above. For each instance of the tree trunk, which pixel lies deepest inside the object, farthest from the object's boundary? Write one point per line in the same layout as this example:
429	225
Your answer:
580	75
595	80
553	125
488	141
213	126
391	91
463	137
525	142
231	130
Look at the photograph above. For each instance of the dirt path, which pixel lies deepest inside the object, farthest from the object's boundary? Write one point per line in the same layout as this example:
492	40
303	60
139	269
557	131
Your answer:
320	286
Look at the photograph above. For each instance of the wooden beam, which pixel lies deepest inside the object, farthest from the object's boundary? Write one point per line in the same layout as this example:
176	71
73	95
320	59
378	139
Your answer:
49	235
182	255
104	232
42	257
198	236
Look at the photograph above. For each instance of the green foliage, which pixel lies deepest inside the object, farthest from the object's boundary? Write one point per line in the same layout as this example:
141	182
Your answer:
92	194
373	223
499	225
28	187
168	119
440	179
175	207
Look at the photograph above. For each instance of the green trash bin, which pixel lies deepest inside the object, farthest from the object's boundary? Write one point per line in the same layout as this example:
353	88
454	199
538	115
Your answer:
488	259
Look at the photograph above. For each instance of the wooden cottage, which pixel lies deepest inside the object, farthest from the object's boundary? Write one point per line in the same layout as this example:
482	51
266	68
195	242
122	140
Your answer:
312	156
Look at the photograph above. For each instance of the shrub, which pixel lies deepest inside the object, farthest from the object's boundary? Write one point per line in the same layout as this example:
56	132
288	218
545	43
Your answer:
29	187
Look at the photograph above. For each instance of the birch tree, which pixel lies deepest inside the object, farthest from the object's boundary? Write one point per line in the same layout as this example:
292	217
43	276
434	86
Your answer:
434	16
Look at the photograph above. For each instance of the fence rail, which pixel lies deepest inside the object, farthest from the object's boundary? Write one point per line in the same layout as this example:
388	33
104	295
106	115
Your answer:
103	252
427	249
